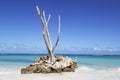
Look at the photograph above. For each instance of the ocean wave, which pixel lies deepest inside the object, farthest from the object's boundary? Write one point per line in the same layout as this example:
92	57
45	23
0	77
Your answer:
88	68
119	69
85	68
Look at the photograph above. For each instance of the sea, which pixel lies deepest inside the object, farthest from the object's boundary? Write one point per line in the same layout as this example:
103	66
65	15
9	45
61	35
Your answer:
18	61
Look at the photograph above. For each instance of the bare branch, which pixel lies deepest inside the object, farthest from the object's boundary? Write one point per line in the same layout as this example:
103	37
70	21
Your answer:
44	17
58	34
45	32
48	19
38	10
40	15
46	26
45	40
49	40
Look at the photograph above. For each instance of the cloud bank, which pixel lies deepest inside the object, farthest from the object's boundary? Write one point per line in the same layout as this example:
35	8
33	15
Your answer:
22	48
18	48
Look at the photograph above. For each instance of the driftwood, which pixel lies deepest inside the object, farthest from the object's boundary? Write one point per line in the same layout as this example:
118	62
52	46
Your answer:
51	63
46	34
41	65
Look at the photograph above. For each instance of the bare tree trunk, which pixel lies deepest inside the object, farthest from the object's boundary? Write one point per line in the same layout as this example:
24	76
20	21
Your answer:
46	35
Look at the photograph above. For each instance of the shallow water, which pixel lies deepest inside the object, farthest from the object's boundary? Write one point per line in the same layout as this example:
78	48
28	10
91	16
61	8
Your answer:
93	62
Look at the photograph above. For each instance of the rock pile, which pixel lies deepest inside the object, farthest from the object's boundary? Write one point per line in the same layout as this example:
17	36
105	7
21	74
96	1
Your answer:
42	65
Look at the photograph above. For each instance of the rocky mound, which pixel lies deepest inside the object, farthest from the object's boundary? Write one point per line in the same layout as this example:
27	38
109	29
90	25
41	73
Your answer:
42	65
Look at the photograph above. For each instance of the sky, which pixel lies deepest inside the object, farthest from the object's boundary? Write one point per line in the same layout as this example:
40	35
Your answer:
87	26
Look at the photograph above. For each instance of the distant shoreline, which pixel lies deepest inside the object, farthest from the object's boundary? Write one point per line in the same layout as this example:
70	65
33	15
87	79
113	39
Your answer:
55	54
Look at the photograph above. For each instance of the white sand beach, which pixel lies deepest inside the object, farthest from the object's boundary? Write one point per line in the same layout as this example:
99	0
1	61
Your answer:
82	73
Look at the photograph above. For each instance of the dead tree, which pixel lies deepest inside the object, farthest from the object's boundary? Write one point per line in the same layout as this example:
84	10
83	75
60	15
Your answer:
46	34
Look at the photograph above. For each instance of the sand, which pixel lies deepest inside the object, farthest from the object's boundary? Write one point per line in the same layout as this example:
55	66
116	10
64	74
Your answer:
82	73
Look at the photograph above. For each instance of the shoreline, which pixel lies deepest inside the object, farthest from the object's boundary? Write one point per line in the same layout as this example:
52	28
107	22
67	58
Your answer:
64	54
81	73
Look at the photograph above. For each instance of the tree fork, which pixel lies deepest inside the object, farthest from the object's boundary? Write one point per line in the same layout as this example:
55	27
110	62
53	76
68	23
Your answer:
46	34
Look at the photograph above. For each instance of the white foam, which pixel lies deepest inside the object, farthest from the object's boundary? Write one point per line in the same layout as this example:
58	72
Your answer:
119	69
85	68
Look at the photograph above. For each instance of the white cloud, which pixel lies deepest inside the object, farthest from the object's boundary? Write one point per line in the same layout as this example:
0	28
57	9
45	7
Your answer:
21	48
95	50
17	48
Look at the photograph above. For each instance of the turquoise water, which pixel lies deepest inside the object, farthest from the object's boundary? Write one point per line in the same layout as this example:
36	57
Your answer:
22	60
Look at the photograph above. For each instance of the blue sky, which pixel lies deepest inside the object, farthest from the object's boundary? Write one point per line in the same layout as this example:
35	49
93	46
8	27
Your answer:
86	25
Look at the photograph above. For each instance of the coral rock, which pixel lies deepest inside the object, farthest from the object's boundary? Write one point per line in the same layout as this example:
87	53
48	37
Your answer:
42	65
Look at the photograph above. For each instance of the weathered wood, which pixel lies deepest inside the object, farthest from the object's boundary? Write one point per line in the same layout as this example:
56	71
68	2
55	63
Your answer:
58	34
51	63
46	34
